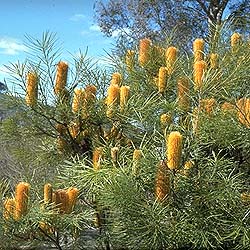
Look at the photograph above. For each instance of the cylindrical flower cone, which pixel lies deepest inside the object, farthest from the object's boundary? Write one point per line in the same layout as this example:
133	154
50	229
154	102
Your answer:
208	105
124	95
61	77
74	129
183	93
228	107
162	79
21	198
61	200
31	89
198	48
214	60
97	158
171	56
199	70
112	99
9	208
116	78
236	40
162	182
243	106
47	193
174	150
137	155
72	197
144	51
90	92
130	60
78	100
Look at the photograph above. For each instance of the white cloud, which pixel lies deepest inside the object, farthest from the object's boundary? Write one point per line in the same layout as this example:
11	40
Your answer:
95	27
11	46
77	17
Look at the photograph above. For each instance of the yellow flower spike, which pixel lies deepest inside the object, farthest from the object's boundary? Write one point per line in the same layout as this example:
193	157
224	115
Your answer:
112	99
31	89
144	51
78	100
47	193
21	198
243	106
137	155
116	78
236	40
61	77
166	120
183	93
61	200
214	60
114	154
72	197
208	105
162	182
124	95
130	60
199	70
9	208
162	79
171	56
198	48
97	158
174	150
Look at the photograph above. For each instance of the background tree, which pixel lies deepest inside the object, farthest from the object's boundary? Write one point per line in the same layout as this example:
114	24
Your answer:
132	20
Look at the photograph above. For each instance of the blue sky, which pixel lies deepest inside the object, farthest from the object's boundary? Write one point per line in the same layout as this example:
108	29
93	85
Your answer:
72	20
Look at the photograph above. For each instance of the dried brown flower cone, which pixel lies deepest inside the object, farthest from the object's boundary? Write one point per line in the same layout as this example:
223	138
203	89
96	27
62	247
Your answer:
9	208
31	89
61	200
183	93
198	48
124	95
199	70
174	150
130	60
144	51
47	193
97	157
61	77
21	198
72	197
162	182
171	56
162	79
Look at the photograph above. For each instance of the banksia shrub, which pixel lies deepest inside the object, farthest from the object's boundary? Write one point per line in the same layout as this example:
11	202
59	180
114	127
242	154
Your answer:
171	56
21	199
162	182
198	48
144	51
124	95
199	70
183	93
31	89
162	79
174	150
61	77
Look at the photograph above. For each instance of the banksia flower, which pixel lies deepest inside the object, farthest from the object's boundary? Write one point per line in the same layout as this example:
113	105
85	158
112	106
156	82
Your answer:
74	129
130	59
72	197
183	93
47	193
137	155
9	208
78	100
243	106
208	105
61	200
162	182
174	150
199	70
171	56
61	77
144	51
245	197
116	78
21	198
162	79
198	48
31	89
112	98
235	41
97	157
214	60
90	92
124	95
166	120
